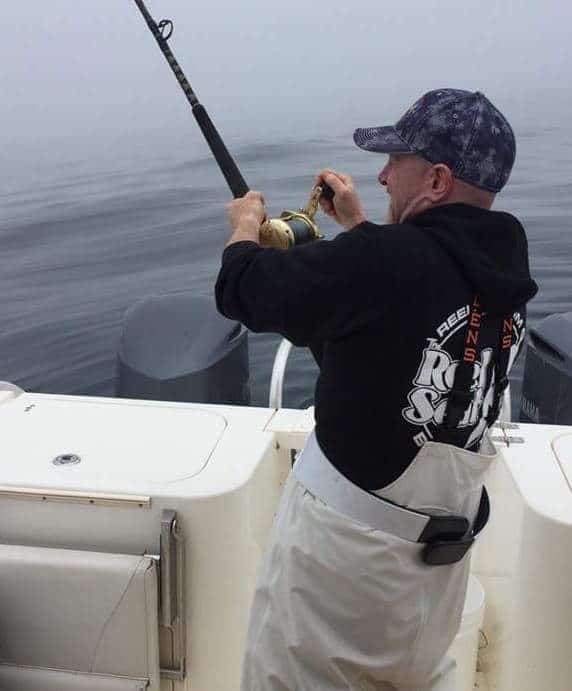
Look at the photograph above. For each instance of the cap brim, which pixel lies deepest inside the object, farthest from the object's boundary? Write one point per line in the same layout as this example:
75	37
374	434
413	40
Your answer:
383	140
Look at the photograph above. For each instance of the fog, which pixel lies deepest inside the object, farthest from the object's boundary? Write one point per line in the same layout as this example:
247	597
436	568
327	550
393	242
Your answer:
86	75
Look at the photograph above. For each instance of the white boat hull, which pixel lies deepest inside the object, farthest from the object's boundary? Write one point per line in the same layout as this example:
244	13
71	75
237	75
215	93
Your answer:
221	470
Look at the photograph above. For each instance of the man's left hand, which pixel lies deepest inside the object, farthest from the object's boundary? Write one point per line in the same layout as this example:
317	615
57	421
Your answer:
246	215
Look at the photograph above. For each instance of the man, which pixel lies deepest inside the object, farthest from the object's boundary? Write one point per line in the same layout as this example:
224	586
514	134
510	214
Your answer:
416	324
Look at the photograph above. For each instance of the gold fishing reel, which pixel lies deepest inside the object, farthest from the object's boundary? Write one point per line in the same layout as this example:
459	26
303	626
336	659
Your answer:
294	227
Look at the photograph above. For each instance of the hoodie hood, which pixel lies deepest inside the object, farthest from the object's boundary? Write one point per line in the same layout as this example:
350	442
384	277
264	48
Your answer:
489	248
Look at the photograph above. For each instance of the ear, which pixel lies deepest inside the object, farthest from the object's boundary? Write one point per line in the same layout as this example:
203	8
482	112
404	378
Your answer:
440	182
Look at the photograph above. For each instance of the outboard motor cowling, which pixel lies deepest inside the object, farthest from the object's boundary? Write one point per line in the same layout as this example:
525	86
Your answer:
177	347
547	383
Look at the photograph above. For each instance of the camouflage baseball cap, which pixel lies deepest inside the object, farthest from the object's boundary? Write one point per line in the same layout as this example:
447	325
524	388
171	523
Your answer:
460	128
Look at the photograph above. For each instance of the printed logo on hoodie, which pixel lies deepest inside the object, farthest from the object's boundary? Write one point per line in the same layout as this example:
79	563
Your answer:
427	400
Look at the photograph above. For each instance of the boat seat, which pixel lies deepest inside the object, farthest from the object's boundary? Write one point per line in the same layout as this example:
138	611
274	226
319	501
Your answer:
78	620
34	679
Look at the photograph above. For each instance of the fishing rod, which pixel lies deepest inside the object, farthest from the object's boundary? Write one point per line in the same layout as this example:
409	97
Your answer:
293	227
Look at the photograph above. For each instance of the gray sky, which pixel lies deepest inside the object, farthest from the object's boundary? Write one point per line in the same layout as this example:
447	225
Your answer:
90	69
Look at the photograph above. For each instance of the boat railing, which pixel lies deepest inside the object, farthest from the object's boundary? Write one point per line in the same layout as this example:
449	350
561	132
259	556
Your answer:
278	374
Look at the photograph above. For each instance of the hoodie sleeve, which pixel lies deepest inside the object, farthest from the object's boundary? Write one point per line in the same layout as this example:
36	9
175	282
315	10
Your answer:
308	294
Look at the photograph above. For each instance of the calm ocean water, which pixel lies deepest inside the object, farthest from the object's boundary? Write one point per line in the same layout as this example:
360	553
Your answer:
83	237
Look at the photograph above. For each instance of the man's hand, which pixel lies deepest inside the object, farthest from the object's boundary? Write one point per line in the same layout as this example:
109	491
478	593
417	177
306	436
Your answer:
246	214
345	207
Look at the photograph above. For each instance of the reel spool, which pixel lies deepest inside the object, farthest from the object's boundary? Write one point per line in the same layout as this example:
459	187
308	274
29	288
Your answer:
295	228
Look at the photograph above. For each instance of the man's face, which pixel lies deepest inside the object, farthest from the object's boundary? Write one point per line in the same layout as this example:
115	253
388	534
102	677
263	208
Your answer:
404	178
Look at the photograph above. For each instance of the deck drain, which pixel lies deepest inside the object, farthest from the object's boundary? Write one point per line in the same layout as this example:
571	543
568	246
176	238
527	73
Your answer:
67	459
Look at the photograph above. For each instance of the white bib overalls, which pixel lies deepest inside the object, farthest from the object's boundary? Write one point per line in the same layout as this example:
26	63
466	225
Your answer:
343	604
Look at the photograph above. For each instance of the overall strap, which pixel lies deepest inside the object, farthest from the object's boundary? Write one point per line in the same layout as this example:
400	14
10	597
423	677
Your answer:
505	330
461	395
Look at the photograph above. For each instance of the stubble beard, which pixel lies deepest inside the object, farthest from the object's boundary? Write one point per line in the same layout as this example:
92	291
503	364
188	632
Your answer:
395	215
391	216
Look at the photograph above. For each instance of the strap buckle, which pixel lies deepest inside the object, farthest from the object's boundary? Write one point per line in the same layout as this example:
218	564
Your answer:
500	388
457	403
501	385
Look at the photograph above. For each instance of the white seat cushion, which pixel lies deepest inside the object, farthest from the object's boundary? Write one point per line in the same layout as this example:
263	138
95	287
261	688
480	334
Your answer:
89	612
26	679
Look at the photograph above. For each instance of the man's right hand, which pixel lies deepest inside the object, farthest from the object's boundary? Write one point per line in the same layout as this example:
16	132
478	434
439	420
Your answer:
346	207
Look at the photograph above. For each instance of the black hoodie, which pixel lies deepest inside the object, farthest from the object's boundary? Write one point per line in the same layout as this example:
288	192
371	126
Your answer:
385	310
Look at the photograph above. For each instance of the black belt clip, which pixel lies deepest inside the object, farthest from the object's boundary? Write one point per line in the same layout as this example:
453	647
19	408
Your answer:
448	538
442	552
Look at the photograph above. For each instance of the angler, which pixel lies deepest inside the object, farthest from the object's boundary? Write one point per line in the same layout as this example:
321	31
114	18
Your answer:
363	583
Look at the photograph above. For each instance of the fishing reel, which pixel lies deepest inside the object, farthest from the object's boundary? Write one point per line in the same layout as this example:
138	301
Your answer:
295	228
